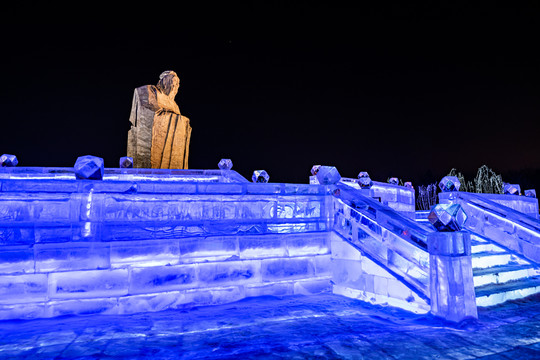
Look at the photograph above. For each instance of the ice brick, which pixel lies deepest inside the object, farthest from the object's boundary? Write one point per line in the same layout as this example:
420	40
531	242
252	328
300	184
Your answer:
23	288
287	268
162	278
213	248
151	302
145	253
71	256
262	246
280	288
214	296
88	284
229	272
313	243
105	306
16	259
312	286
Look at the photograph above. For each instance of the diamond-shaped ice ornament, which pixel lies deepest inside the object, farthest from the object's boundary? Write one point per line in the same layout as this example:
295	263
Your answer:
512	189
89	168
364	180
315	169
126	162
449	183
447	217
409	185
7	160
260	176
225	164
530	193
393	181
328	175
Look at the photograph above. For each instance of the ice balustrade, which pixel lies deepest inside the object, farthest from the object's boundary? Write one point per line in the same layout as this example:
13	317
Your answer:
510	228
435	266
155	241
399	198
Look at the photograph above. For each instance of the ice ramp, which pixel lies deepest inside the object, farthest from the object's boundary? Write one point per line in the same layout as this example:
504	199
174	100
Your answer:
381	256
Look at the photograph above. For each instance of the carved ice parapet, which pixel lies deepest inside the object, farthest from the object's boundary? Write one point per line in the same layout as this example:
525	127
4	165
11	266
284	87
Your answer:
451	279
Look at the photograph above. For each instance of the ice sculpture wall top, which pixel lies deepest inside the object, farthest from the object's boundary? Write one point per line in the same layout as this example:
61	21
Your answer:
399	198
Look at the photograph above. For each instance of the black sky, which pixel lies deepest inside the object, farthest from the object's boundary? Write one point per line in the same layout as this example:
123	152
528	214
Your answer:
397	90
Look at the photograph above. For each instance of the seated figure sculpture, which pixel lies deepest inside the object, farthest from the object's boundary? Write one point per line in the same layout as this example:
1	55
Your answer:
159	135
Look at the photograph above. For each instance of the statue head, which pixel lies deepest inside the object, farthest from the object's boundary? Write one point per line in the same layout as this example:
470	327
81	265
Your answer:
169	83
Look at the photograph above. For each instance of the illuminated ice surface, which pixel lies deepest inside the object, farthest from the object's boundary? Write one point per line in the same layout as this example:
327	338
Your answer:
147	240
321	327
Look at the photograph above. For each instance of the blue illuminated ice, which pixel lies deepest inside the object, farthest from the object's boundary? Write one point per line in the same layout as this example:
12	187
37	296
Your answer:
7	160
409	185
126	162
449	183
225	164
530	193
260	176
328	175
446	217
393	181
512	189
364	180
89	168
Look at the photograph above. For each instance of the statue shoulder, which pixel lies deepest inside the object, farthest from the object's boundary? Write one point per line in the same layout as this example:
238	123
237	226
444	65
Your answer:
147	96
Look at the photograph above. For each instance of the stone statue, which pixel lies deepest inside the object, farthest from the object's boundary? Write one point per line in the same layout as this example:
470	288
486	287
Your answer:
159	135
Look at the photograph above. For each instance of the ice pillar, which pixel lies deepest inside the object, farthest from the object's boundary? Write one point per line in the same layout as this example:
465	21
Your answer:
451	277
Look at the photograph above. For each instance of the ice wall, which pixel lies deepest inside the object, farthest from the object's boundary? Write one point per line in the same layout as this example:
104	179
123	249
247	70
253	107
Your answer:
123	246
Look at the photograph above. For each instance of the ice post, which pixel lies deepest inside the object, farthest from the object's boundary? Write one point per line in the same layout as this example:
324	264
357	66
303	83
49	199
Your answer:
451	277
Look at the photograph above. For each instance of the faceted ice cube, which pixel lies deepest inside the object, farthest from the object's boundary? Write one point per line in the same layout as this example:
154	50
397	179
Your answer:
449	183
260	176
7	160
89	168
447	217
364	180
315	169
225	164
512	189
393	181
530	193
328	175
409	185
126	162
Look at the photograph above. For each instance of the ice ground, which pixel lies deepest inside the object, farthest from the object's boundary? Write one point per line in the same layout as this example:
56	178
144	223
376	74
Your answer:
322	326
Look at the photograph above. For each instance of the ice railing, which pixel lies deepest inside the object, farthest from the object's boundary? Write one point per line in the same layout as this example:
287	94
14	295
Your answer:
396	242
118	174
510	228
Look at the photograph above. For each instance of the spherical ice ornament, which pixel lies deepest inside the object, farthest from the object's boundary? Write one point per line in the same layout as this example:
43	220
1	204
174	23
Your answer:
393	181
126	162
260	176
89	168
447	217
315	169
225	164
449	183
8	160
328	175
409	185
512	189
364	181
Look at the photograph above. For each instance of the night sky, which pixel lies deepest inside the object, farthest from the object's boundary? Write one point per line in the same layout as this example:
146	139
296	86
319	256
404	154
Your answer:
395	90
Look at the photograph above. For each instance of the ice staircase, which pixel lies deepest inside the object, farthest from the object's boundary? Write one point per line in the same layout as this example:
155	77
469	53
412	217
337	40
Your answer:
499	273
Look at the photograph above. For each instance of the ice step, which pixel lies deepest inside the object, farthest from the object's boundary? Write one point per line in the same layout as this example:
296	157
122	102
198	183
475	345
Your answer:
488	259
478	246
493	294
502	274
